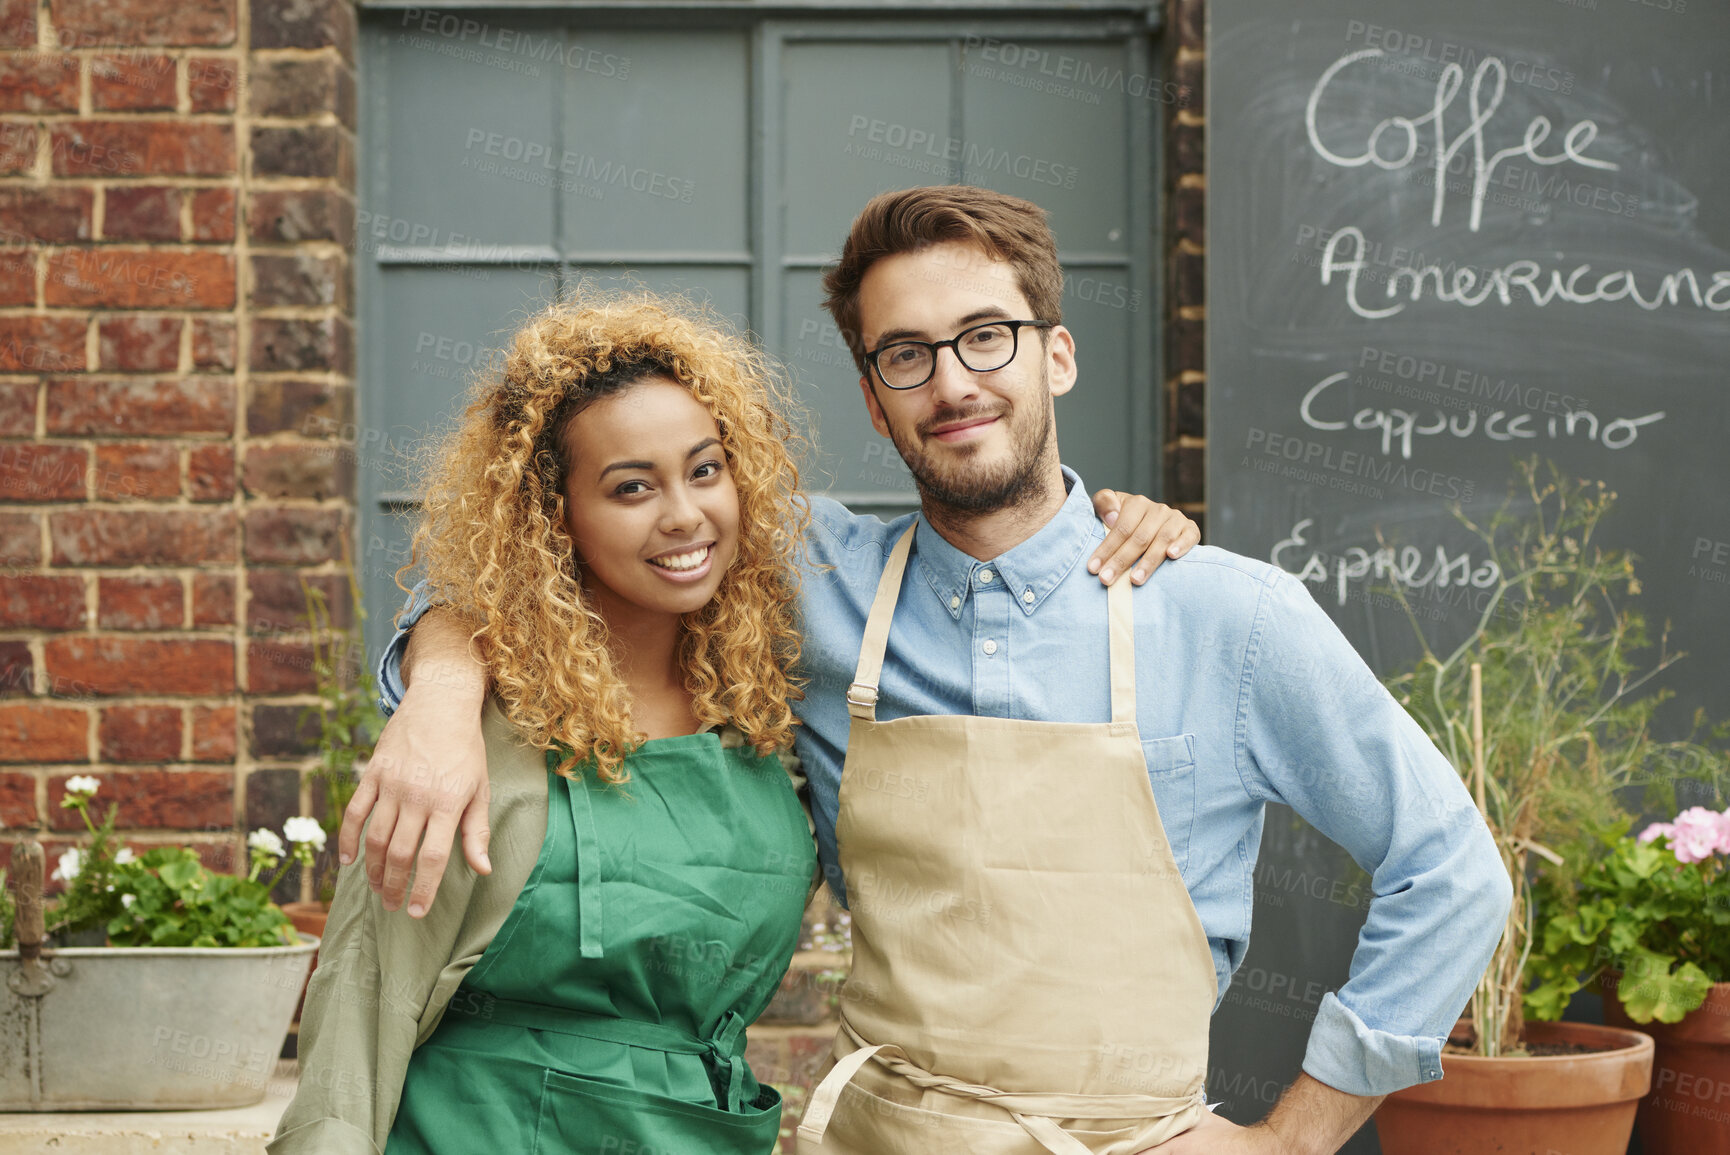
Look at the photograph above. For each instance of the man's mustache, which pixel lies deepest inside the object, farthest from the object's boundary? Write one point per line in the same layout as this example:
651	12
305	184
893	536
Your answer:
952	416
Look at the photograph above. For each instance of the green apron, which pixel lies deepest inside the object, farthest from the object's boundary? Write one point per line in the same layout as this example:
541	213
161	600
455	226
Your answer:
609	1013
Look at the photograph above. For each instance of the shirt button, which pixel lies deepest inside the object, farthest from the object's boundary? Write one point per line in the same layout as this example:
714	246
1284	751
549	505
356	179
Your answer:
990	647
954	603
1027	597
984	577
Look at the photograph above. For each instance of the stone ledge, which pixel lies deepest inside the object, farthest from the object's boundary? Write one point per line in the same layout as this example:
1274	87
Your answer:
236	1131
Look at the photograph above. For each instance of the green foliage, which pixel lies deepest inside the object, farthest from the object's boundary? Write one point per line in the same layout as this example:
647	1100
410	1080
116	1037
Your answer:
1565	659
8	913
176	901
1662	923
90	898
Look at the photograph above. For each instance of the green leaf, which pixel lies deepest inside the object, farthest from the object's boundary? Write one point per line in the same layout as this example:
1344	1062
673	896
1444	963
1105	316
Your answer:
1664	995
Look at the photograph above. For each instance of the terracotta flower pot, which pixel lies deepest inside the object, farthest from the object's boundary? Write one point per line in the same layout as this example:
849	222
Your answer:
1582	1104
1688	1111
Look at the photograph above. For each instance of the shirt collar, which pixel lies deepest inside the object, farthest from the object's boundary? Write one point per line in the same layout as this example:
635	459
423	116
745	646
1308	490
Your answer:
1035	567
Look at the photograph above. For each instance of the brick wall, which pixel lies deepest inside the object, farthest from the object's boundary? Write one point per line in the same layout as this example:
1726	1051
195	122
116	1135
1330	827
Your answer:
176	201
1185	270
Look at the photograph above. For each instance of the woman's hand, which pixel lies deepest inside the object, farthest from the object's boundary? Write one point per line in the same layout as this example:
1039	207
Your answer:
428	774
1142	534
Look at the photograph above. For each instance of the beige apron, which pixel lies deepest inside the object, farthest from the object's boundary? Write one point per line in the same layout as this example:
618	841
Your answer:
1029	974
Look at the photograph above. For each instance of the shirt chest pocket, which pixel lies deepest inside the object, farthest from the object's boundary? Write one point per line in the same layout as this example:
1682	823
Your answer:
1171	771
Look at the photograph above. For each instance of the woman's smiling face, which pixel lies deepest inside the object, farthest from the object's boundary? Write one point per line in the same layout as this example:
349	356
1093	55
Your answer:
650	502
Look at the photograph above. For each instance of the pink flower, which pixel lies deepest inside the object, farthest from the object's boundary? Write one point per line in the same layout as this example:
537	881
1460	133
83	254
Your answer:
1699	833
1657	830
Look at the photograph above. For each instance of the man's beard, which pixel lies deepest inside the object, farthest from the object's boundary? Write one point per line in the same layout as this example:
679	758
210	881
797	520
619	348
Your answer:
966	487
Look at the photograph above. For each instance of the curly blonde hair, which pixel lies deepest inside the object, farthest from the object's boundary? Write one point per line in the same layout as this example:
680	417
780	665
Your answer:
496	550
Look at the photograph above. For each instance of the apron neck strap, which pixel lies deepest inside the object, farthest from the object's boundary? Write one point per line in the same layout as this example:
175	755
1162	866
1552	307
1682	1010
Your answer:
862	694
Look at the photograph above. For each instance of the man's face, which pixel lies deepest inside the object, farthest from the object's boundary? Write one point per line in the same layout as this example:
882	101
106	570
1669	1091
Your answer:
973	441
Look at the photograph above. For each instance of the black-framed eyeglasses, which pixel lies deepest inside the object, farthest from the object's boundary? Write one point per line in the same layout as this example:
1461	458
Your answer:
981	348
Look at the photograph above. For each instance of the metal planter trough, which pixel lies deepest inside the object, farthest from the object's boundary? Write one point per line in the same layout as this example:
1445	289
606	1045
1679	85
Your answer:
140	1028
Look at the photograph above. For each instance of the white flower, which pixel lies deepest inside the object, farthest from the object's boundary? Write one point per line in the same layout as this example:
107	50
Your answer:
123	856
127	900
70	864
304	829
267	841
85	784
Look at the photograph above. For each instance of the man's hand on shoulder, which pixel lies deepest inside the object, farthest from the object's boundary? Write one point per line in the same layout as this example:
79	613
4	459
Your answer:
1142	533
428	773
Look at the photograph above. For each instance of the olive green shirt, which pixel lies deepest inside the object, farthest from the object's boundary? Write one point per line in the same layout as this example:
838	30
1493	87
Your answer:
384	979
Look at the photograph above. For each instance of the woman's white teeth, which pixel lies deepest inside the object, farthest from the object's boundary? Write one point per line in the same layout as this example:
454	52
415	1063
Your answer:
682	560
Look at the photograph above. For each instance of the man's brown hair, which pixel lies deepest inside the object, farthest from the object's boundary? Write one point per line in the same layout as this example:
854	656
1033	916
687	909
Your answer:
906	221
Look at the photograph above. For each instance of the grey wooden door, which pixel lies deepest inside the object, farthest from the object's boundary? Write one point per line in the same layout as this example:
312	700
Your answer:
505	159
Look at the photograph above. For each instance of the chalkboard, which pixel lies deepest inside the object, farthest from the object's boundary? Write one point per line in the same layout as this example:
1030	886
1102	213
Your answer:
1443	237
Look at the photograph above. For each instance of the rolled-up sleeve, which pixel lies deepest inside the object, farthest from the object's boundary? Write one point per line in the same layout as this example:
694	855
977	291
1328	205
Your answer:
1317	731
390	683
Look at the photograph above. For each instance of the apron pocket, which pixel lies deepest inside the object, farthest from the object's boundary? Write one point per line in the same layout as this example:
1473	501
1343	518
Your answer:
1171	773
586	1115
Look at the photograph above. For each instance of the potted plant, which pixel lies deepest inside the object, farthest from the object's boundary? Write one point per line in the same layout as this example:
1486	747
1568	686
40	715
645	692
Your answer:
1542	711
1651	919
185	1002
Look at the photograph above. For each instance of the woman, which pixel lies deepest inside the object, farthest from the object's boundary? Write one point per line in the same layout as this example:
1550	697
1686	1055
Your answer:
617	512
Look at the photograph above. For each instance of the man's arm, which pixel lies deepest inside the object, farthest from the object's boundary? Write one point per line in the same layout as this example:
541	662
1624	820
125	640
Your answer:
1311	1118
428	773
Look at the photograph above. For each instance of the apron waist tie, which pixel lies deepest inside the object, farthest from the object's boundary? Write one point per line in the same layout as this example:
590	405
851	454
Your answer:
1036	1112
725	1048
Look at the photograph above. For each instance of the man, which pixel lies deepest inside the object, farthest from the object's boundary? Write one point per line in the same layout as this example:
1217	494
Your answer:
1043	799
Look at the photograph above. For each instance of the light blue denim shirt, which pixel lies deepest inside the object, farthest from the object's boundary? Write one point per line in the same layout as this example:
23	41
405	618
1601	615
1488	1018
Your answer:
1246	693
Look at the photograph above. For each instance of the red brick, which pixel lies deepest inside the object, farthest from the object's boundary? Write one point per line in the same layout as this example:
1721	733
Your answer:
128	22
36	472
141	213
213	83
308	24
42	602
279	668
297	87
20	539
213	343
18	800
311	471
212	600
18	277
51	213
117	278
108	537
141	408
17	410
213	734
151	344
141	148
134	82
289	215
276	602
174	799
319	150
18	140
42	344
213	214
18	23
139	603
33	82
139	734
299	278
210	473
110	666
309	408
284	345
17	670
147	472
40	732
294	536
